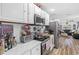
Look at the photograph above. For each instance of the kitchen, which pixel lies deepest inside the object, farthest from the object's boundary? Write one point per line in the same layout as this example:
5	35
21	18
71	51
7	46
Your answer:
27	23
30	29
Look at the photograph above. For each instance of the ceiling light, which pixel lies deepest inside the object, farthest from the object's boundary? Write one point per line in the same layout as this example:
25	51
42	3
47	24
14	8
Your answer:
52	10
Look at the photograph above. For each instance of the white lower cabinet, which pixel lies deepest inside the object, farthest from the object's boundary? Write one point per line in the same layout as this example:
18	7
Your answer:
30	48
51	42
36	50
27	52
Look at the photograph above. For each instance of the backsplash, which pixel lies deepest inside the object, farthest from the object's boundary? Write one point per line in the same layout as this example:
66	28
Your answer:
41	28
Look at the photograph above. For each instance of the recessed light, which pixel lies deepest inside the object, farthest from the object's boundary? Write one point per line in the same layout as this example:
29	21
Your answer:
52	10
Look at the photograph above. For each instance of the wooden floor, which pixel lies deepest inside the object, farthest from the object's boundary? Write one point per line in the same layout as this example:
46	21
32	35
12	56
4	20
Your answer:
63	51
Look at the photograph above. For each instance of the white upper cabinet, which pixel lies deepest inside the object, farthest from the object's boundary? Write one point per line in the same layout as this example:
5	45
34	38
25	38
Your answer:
31	10
25	13
45	15
12	11
42	14
37	10
0	10
46	18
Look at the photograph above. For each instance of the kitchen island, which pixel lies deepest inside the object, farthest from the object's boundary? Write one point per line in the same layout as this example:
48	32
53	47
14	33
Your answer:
29	48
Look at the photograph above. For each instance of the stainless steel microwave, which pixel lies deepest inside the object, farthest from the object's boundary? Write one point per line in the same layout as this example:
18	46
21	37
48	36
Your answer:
38	20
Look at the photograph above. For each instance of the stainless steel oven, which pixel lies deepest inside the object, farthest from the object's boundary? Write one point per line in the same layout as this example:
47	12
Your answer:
44	50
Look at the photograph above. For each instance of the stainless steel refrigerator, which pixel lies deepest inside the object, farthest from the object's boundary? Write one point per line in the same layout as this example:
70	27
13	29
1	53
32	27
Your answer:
54	26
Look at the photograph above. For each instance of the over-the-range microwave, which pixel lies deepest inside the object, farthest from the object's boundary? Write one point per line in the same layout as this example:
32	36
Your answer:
38	20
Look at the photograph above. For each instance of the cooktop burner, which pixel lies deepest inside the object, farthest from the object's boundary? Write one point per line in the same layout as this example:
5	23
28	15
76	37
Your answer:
40	39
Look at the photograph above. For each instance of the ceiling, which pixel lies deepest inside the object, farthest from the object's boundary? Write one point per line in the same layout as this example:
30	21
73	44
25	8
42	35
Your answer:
61	10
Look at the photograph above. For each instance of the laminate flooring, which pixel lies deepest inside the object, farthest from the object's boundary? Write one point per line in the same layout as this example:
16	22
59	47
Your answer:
66	51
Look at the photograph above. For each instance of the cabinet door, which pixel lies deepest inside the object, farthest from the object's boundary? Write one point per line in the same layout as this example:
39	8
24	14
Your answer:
26	52
51	42
31	13
42	14
46	19
13	11
36	50
37	10
0	9
26	12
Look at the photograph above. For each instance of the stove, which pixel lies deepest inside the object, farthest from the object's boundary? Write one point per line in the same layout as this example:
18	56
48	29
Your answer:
43	38
43	44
